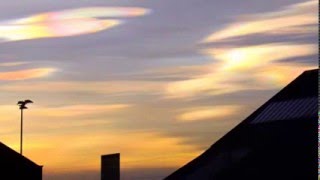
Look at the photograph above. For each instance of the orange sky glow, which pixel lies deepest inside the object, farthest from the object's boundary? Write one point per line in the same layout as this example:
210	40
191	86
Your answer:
158	108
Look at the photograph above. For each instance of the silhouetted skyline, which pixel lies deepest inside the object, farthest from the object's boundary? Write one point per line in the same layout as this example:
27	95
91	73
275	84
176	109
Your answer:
16	166
277	141
170	76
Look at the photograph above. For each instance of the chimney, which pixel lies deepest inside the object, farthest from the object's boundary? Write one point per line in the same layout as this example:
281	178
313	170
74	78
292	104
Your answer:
110	167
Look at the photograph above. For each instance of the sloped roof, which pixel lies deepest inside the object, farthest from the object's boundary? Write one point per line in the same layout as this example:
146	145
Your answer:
9	155
291	112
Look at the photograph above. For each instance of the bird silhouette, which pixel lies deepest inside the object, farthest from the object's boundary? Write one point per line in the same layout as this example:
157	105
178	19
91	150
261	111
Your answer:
22	104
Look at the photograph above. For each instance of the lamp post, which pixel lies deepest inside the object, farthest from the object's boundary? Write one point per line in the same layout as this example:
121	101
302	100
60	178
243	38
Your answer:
22	106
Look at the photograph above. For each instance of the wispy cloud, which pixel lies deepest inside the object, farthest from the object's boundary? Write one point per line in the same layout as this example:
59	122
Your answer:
84	149
78	110
66	23
98	87
206	113
248	57
26	74
290	19
62	117
103	105
245	69
9	64
253	67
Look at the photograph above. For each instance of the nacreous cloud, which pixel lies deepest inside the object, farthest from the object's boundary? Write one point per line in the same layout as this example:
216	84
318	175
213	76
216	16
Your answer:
290	20
262	66
25	74
66	23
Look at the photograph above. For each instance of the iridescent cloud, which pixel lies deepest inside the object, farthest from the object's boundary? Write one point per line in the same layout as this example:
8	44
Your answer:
248	57
26	74
290	19
66	23
244	69
254	67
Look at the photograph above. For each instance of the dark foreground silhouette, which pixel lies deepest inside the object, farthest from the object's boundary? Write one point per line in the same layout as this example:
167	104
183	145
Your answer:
17	167
110	167
278	141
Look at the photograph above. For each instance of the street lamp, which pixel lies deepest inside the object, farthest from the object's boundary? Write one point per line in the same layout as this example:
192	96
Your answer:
22	106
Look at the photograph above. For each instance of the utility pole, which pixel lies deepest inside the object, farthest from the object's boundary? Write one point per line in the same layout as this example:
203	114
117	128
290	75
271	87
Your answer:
22	106
21	130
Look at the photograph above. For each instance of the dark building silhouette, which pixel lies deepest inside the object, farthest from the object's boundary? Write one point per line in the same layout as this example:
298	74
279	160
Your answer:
17	167
110	167
278	141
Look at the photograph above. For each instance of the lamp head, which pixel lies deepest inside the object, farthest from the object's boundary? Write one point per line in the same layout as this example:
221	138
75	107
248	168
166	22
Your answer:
22	104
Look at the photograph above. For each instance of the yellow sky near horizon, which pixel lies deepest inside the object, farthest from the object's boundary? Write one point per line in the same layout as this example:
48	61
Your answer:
152	123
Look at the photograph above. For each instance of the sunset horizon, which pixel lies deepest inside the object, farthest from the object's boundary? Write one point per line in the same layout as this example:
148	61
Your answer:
157	81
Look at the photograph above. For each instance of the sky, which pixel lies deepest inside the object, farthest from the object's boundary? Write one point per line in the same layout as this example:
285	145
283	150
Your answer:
158	81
